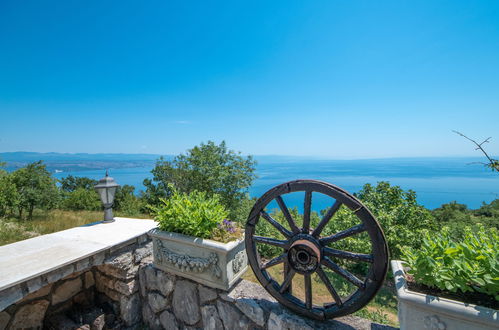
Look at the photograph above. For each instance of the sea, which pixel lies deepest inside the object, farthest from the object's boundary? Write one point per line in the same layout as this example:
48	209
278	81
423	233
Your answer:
435	180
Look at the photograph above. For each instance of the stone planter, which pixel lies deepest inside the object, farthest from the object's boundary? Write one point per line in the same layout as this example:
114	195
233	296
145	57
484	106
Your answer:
421	311
218	265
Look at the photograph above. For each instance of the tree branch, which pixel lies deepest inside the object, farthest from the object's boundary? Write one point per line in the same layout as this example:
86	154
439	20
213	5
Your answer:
493	163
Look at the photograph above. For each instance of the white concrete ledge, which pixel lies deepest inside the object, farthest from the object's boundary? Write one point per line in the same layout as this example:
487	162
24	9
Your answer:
27	260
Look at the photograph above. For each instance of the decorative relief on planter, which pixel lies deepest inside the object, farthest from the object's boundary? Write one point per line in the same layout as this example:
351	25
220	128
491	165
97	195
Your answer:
214	264
186	262
239	261
432	322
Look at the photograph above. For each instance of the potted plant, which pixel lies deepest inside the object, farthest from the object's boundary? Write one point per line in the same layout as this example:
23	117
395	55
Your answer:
448	283
194	239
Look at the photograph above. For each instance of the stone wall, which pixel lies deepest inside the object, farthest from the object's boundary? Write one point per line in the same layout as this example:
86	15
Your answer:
114	281
142	296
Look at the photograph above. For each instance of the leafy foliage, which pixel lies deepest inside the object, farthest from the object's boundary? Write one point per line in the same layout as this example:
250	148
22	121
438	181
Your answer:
210	168
194	214
81	199
71	183
35	187
471	264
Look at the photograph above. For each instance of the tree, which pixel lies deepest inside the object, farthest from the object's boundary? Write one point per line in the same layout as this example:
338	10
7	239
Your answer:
208	167
127	202
36	188
491	163
9	198
71	183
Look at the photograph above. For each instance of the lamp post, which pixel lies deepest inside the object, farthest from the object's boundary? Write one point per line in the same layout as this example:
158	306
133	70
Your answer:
106	188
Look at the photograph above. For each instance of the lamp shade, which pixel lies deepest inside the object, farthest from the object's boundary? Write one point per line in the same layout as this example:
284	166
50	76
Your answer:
106	188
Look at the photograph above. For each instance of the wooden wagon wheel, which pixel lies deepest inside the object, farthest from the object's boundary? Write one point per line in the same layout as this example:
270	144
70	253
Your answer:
305	251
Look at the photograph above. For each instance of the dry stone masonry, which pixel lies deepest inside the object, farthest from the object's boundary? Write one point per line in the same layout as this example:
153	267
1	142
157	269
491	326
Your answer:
121	289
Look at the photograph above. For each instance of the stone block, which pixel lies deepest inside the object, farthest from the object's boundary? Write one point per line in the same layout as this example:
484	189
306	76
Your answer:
150	318
85	298
168	321
130	309
83	265
98	259
66	290
186	302
59	273
30	315
157	302
157	279
211	319
231	317
142	252
104	282
10	296
126	288
286	321
34	284
252	310
206	294
39	293
4	320
89	280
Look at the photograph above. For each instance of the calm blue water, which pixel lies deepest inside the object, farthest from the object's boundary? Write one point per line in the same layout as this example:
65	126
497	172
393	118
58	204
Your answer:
436	181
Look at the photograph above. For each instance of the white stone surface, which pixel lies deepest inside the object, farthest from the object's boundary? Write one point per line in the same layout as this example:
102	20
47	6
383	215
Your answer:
418	310
33	257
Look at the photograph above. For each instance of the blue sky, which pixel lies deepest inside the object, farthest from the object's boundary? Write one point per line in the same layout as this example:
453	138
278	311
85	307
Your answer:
340	79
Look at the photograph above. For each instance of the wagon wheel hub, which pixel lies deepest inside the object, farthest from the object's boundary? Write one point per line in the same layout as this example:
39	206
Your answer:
304	254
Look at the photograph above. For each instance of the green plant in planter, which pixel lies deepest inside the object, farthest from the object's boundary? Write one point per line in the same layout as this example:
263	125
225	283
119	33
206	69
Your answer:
471	264
194	214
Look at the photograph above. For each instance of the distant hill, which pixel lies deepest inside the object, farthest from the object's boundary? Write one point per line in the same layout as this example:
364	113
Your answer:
78	161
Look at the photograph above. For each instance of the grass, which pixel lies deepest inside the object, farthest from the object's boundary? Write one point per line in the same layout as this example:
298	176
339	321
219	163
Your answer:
46	222
382	309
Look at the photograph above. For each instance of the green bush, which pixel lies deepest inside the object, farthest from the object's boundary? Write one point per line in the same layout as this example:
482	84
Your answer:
471	264
81	199
194	214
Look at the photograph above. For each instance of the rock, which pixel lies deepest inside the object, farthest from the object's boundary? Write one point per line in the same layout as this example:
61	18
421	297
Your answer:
38	294
143	252
149	318
186	303
286	321
130	309
10	296
59	273
158	280
82	264
66	290
98	323
168	321
89	280
211	319
231	317
4	320
30	315
157	302
206	294
252	310
247	289
126	288
103	282
34	284
120	266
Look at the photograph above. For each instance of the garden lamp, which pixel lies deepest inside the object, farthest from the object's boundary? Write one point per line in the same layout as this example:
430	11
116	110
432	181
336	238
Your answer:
106	188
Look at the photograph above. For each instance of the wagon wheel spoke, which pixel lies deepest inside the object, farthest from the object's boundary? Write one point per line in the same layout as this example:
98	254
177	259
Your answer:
306	211
275	261
271	241
287	215
343	273
287	280
348	255
343	234
330	213
329	286
308	291
276	224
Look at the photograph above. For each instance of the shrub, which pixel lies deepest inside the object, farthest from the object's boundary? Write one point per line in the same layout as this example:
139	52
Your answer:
81	199
471	264
194	214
